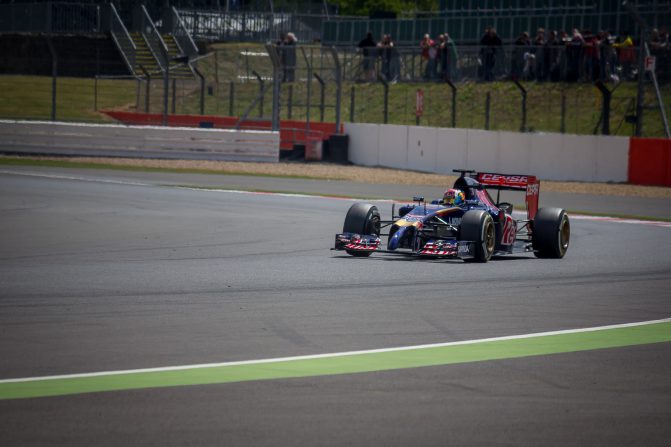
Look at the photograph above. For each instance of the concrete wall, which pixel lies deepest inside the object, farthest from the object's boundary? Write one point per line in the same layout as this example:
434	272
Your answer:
138	141
548	156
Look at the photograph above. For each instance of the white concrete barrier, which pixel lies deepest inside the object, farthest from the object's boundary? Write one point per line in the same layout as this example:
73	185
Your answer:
549	156
138	141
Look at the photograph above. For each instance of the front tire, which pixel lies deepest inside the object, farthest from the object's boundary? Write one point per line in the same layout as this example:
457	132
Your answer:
551	233
478	226
362	218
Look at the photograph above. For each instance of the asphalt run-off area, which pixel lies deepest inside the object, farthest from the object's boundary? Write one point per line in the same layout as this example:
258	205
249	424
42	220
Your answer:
136	310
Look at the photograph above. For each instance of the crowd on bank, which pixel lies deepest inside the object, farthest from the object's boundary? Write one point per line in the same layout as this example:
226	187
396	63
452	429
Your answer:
554	56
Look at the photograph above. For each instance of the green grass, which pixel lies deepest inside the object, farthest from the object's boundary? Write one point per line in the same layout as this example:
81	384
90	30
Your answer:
29	97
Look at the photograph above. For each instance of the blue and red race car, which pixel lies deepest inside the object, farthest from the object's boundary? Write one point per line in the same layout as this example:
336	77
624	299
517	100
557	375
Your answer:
477	229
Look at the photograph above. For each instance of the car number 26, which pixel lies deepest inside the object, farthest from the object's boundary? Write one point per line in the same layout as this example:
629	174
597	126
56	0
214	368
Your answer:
508	237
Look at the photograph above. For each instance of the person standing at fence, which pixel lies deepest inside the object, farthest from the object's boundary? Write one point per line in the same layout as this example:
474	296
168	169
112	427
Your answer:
288	57
490	45
574	49
539	52
521	56
388	69
608	57
626	54
552	56
427	44
367	47
448	57
659	47
591	56
453	58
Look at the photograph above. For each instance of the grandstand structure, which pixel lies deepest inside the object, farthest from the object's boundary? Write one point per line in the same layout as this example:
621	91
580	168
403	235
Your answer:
148	46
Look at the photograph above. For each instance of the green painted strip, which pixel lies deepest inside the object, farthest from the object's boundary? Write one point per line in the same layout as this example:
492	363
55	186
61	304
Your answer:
347	363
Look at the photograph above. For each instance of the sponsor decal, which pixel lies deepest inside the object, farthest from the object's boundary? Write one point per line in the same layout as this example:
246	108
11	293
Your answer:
508	237
532	189
500	179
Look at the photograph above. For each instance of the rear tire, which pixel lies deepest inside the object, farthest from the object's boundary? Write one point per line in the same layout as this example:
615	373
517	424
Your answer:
478	226
362	218
551	233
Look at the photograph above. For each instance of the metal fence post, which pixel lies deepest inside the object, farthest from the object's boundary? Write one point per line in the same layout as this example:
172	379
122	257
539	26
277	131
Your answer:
202	89
275	59
308	106
54	76
385	112
352	99
562	122
488	100
605	107
231	98
321	96
338	79
523	127
290	98
261	92
454	102
174	95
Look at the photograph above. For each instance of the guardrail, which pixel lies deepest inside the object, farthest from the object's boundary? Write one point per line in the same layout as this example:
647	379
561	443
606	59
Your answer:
154	39
122	39
251	26
182	36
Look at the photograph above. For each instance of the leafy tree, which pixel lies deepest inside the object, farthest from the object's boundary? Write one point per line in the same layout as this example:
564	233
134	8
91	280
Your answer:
365	7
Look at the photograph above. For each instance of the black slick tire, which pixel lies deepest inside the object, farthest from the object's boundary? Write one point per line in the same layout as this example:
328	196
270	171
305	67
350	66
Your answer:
362	218
551	233
478	226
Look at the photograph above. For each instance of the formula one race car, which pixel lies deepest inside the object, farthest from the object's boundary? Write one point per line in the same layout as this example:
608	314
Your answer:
477	229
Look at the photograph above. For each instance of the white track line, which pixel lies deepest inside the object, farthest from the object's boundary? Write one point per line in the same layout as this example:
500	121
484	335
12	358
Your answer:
337	354
655	223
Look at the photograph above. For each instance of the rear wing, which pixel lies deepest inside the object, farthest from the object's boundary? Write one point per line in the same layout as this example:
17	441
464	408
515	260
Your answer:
528	183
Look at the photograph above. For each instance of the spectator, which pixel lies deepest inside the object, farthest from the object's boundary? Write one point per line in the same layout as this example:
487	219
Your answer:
367	48
607	57
288	57
552	57
387	53
428	49
626	55
521	57
660	47
448	58
574	49
591	56
490	46
539	71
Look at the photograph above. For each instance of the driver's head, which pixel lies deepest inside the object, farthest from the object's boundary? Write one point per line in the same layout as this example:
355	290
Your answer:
453	197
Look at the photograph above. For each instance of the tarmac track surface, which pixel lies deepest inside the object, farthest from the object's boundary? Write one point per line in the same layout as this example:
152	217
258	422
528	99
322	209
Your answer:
100	276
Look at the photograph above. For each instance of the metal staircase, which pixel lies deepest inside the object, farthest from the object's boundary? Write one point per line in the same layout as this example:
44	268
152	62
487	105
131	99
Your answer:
146	51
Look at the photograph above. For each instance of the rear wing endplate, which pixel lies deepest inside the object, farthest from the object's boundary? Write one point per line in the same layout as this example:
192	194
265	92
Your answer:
528	183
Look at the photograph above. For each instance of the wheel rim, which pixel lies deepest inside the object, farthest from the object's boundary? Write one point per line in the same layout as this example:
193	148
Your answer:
490	239
564	234
374	225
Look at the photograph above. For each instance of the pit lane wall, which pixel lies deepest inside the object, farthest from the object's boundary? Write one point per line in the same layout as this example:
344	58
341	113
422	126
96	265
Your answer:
548	156
55	138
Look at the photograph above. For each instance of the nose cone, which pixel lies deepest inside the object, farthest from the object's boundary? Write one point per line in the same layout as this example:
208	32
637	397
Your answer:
394	240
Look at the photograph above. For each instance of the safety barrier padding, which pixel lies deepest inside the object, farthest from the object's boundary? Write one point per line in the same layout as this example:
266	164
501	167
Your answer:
57	138
586	158
650	161
292	132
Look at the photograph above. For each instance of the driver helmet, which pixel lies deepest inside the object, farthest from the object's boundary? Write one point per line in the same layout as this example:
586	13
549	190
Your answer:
453	197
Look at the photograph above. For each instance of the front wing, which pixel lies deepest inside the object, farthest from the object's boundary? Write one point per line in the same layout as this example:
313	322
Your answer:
441	248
